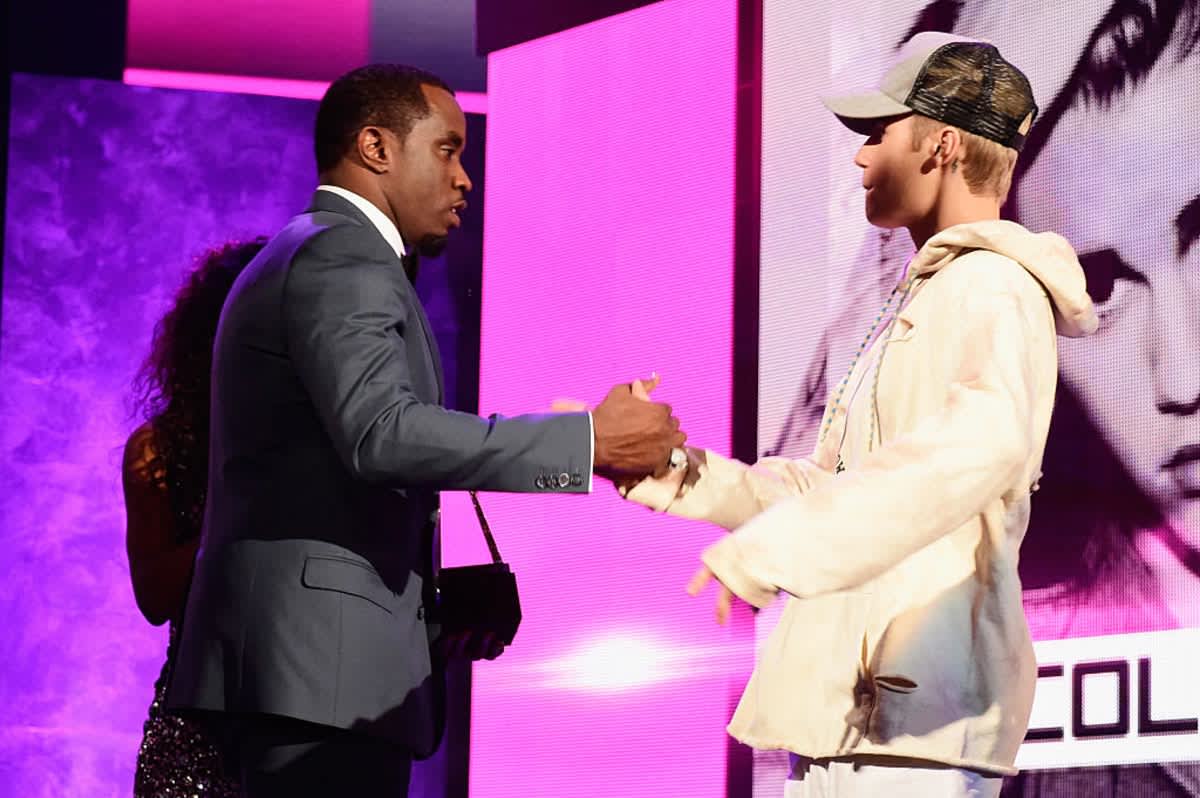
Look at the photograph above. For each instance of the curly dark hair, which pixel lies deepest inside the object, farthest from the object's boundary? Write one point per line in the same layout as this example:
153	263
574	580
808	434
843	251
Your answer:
387	95
172	387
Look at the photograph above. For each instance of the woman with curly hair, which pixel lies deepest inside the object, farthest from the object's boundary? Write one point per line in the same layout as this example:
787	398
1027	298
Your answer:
165	475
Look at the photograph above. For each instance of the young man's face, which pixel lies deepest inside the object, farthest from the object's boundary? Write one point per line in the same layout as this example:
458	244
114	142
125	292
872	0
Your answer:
898	191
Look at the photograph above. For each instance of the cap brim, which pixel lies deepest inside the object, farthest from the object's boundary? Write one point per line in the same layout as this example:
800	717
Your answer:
859	112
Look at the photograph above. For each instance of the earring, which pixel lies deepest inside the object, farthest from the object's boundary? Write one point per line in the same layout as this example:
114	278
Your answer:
954	166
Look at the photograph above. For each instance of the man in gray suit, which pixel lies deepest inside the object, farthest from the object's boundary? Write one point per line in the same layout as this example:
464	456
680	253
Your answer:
305	637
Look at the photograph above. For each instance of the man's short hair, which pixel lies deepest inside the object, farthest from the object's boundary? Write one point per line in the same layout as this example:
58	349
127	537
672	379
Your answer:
987	166
386	95
958	80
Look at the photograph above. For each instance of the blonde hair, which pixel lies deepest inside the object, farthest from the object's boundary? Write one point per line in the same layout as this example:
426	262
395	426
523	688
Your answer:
987	165
966	78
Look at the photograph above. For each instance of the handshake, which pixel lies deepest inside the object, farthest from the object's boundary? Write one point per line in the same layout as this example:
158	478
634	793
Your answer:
634	438
634	435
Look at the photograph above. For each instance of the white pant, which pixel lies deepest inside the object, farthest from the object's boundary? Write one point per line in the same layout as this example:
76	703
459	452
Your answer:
846	778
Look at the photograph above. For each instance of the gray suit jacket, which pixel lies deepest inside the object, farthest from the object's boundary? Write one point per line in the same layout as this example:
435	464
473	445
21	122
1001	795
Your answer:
328	447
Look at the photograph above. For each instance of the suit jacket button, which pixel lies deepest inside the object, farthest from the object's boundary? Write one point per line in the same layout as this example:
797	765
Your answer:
576	480
564	480
540	483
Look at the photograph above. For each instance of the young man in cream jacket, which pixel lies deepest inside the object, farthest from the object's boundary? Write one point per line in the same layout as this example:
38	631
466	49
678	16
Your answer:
902	665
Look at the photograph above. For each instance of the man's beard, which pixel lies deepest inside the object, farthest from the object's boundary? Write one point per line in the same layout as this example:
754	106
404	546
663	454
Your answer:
431	246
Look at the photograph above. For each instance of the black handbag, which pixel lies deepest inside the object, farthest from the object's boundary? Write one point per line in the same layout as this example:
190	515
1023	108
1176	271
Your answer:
479	598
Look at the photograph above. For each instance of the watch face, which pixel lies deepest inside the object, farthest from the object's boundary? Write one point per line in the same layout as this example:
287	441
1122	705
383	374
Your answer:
678	458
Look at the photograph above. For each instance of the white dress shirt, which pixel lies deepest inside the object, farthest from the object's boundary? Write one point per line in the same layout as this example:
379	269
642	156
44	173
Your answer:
377	217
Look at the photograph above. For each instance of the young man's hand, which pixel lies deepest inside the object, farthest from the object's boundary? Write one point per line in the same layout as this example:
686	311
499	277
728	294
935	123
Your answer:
724	594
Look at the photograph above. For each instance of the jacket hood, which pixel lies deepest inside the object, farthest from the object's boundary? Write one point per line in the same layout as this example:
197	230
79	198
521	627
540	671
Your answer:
1047	256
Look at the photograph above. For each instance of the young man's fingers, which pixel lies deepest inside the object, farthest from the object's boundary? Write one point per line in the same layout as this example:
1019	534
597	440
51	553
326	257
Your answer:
724	604
698	582
643	388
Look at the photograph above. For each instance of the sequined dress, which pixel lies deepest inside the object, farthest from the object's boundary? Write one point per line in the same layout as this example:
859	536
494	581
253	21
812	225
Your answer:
177	758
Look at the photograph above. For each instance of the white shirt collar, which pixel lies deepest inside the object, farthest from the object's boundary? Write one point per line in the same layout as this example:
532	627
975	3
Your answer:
382	223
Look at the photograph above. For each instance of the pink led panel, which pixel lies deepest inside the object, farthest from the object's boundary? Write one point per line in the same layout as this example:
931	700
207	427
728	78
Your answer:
471	102
300	39
608	254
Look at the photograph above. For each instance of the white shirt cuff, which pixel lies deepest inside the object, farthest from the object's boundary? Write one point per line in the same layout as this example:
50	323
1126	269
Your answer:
591	449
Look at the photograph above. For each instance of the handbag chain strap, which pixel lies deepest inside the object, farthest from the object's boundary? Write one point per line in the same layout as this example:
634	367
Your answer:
487	529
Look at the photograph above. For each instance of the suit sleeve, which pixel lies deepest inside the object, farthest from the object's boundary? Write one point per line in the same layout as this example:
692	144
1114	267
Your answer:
345	320
908	493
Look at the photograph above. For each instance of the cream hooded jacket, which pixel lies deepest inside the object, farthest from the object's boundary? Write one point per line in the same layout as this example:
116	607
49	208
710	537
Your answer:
904	634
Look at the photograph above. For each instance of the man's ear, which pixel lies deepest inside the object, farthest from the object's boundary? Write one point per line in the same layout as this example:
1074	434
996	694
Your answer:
949	146
374	150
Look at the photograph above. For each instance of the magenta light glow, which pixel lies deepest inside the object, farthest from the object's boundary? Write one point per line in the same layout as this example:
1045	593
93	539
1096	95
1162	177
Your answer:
298	39
236	84
630	660
471	102
608	254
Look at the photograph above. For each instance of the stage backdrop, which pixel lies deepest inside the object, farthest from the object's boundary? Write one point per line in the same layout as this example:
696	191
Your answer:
1110	561
113	191
608	255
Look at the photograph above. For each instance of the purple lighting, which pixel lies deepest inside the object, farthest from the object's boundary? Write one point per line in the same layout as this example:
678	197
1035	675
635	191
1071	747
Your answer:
112	190
471	102
300	39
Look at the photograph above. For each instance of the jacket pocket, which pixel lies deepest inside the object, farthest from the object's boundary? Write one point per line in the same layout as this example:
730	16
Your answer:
347	576
902	330
895	684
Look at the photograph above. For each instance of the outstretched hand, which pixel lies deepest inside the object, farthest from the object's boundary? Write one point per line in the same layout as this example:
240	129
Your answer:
724	594
642	388
634	434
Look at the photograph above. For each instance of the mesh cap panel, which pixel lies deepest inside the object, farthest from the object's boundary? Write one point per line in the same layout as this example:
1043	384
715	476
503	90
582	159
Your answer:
969	85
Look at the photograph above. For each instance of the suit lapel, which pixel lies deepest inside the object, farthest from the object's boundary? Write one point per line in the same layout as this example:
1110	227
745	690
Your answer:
330	202
431	346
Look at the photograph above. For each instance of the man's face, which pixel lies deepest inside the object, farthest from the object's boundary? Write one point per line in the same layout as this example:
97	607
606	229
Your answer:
426	187
1122	189
898	192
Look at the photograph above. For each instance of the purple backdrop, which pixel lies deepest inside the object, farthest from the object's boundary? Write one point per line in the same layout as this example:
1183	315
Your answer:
113	190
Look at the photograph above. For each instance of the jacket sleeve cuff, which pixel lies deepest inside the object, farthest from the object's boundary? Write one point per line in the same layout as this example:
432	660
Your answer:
724	559
657	494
